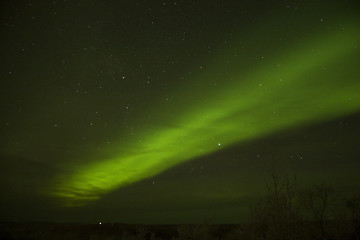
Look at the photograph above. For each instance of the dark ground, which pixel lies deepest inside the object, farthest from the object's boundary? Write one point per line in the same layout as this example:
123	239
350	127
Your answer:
9	231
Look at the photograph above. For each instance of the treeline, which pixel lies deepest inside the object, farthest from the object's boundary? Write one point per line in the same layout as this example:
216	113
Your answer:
290	212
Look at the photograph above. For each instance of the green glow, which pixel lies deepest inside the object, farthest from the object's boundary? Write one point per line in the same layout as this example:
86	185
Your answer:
292	90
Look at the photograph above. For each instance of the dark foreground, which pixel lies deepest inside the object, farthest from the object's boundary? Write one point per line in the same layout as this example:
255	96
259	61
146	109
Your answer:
116	231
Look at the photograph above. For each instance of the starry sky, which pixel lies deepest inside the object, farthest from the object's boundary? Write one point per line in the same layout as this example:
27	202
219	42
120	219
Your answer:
173	111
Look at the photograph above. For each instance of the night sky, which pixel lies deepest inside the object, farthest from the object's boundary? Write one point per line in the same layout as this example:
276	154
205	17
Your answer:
173	111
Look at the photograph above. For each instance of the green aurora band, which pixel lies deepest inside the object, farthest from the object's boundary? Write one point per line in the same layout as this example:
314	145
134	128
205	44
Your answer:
315	82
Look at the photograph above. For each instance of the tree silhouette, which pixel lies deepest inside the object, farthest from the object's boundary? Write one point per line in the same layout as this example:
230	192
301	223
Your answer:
275	216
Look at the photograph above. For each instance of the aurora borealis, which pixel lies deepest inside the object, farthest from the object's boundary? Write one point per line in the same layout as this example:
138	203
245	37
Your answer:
232	115
173	109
